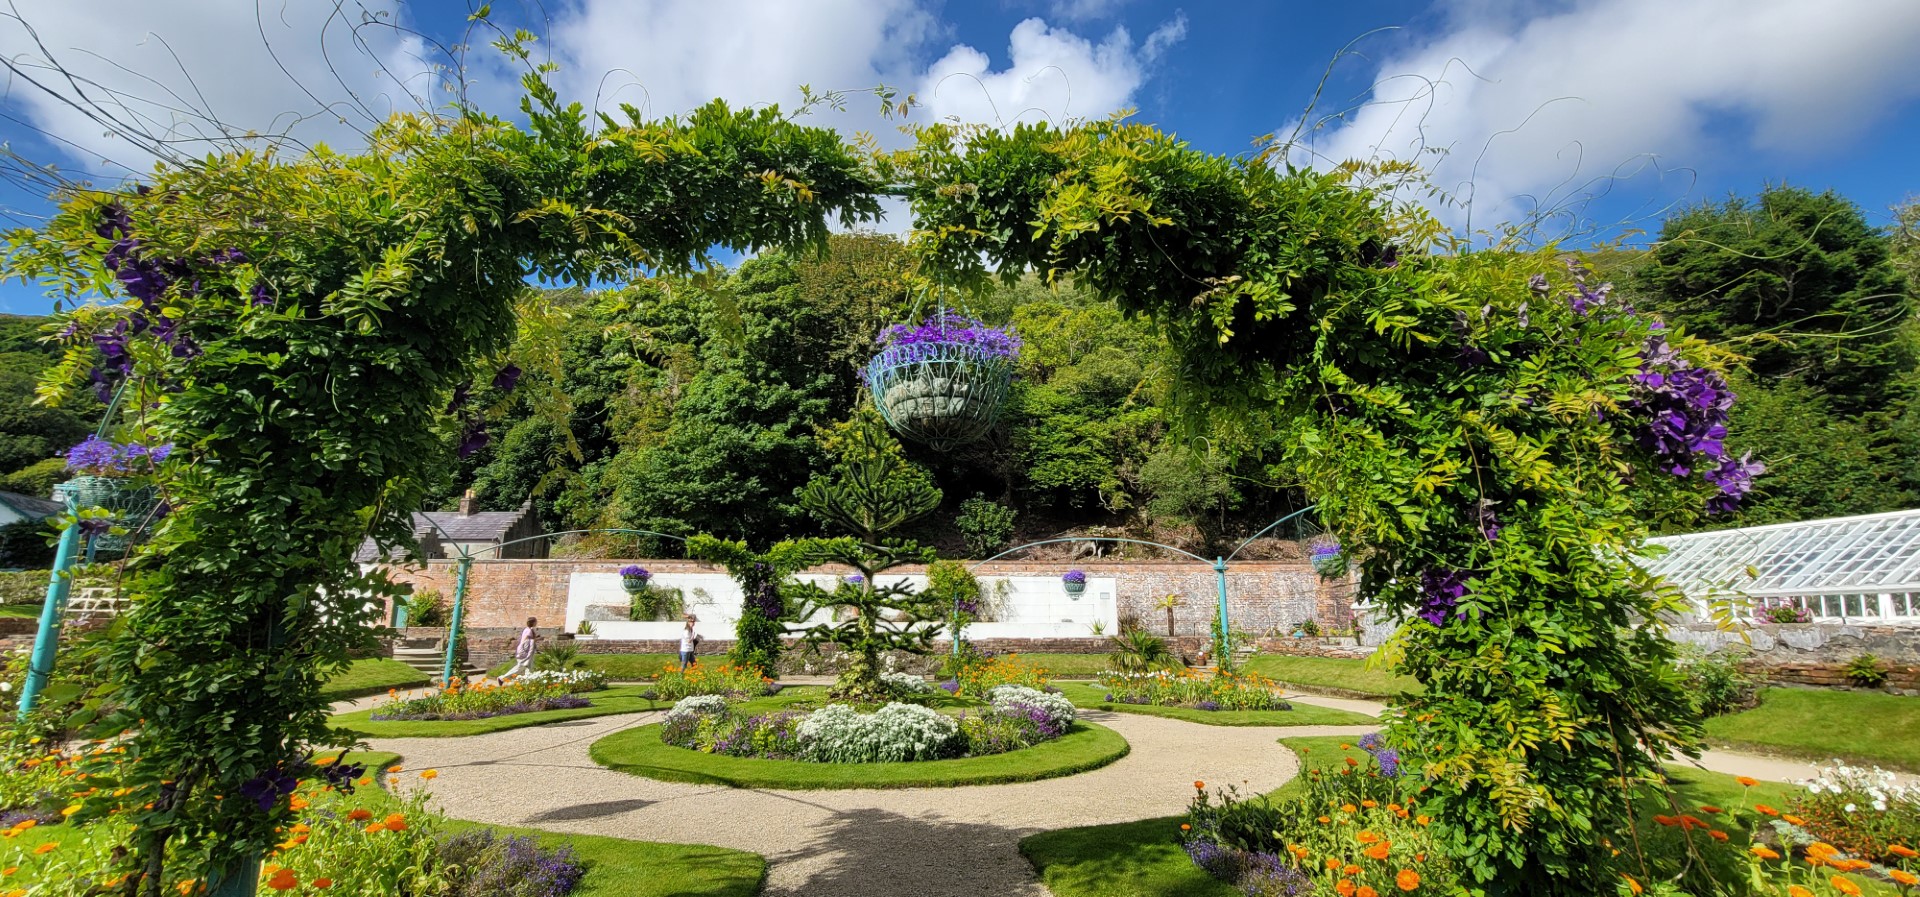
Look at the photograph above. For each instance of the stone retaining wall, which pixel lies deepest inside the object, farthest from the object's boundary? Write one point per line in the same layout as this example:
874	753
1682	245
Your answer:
1813	654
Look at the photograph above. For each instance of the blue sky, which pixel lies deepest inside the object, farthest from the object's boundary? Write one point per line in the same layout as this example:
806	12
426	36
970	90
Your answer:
1610	111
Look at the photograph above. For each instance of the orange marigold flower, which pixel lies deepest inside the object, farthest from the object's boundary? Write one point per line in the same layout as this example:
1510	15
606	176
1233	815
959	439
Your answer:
374	828
1365	891
1792	819
1352	762
1631	884
1368	804
1407	880
47	847
1343	887
323	883
1766	853
1185	827
1350	869
1904	877
1348	808
1746	782
396	822
1844	886
1367	837
1666	820
1765	810
1822	848
1709	809
1379	851
360	814
1797	891
1717	835
1325	819
1901	850
430	774
283	880
1199	785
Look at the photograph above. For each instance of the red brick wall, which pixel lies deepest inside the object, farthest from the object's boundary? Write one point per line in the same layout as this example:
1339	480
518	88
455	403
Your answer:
1263	596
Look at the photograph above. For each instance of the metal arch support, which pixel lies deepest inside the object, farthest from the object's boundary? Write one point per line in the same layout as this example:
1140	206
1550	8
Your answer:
46	642
1267	529
464	569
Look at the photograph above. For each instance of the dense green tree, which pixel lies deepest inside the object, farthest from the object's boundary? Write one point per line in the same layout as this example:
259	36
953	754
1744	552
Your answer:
1820	464
1796	280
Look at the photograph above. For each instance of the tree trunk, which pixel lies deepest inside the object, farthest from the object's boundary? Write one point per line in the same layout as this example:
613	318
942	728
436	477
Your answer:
1169	622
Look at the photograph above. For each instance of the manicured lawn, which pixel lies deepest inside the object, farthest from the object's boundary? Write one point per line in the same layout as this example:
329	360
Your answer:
372	676
1339	674
1070	666
1093	697
1142	859
621	699
29	611
620	667
1818	724
641	752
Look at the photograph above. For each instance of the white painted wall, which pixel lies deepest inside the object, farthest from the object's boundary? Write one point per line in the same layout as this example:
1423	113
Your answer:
1026	606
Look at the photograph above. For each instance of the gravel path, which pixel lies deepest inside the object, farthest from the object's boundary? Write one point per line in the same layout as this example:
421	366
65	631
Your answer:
931	842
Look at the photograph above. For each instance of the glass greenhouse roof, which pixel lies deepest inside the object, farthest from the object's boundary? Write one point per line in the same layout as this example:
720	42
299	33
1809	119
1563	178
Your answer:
1869	553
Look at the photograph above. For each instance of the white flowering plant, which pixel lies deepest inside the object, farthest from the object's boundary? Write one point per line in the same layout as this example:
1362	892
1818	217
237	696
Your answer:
697	705
1864	812
1015	699
837	733
906	685
572	680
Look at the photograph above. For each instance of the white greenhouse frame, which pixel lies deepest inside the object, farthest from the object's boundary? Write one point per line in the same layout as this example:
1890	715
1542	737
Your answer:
1863	569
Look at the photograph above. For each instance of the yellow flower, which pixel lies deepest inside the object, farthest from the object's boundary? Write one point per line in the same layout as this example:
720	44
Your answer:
430	774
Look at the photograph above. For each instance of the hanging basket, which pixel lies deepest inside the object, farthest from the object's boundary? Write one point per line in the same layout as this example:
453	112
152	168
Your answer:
131	501
943	394
634	579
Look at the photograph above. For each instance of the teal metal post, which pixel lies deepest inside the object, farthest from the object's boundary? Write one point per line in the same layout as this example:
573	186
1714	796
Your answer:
459	606
46	644
1223	655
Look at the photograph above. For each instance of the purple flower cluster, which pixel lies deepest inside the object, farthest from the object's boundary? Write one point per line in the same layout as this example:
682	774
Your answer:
1780	611
635	571
1075	576
1440	590
511	867
1684	411
1208	706
147	280
1215	859
104	457
948	328
1388	758
1270	875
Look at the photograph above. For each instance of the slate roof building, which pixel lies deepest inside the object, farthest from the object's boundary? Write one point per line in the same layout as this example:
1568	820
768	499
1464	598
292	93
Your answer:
448	534
16	508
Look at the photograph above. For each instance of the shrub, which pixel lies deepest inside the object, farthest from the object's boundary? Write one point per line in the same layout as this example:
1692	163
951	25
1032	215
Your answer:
458	702
906	685
984	525
427	608
978	679
1193	688
655	602
559	657
715	728
1867	671
1715	682
1137	651
677	682
895	733
1057	711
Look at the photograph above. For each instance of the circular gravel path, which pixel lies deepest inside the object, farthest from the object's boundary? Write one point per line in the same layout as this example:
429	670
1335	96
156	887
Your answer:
933	842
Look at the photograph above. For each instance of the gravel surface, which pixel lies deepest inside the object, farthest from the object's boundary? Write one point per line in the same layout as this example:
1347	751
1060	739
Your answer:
931	842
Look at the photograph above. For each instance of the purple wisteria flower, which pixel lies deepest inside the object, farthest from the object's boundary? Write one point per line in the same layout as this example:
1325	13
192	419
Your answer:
1441	589
507	378
104	457
1684	412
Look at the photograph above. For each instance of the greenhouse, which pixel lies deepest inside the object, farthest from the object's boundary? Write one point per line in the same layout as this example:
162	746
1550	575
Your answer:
1840	569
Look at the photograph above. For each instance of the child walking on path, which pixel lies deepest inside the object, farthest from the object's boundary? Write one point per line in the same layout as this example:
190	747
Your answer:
689	642
523	652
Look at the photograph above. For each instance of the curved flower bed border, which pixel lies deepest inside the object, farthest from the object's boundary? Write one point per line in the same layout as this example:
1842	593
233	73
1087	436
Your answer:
640	752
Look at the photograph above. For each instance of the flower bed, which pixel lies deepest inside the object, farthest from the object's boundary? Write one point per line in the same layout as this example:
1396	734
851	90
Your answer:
678	682
1192	688
571	680
896	733
457	702
979	678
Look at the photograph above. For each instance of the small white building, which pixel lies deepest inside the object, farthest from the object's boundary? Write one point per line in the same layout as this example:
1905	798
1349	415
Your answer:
1863	569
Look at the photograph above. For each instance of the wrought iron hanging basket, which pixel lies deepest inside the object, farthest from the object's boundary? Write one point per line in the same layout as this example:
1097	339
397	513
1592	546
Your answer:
942	383
131	501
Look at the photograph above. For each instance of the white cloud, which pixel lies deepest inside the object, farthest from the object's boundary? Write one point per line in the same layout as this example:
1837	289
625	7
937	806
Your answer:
164	68
1542	107
1051	73
1084	10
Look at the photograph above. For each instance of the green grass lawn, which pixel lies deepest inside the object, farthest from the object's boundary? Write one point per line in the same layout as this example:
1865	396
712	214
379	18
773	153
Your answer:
29	611
1821	724
1093	697
641	752
620	699
372	676
1339	674
615	867
1142	859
